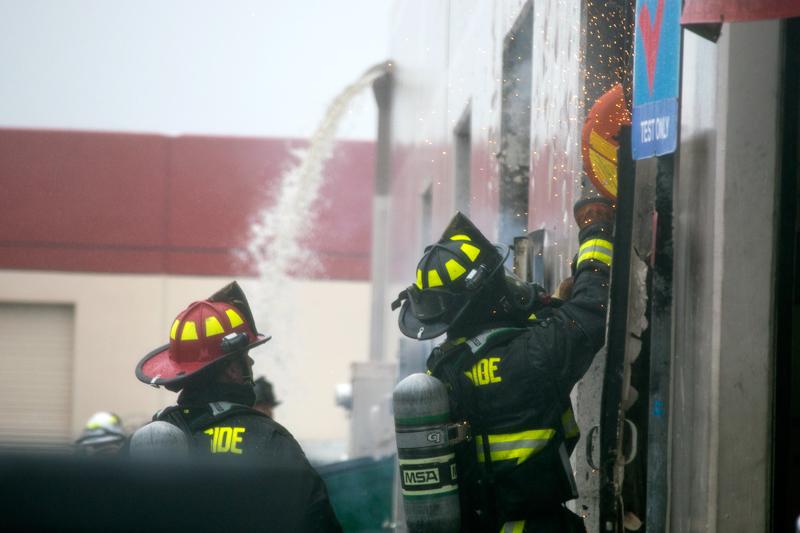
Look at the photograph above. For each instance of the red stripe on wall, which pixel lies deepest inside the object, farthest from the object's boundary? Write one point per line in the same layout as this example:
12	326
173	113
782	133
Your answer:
110	202
710	11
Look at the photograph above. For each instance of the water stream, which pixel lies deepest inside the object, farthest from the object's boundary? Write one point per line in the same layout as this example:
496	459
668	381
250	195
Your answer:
277	235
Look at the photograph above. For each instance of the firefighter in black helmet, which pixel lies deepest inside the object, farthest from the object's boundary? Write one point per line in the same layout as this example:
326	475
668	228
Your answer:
265	396
207	360
509	368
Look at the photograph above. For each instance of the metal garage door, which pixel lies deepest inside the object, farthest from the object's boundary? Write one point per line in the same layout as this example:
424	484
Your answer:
36	345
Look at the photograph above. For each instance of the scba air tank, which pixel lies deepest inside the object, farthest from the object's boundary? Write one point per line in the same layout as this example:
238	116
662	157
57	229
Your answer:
159	439
426	457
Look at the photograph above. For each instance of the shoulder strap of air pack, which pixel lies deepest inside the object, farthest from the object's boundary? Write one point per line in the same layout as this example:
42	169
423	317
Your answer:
217	411
173	415
491	338
463	346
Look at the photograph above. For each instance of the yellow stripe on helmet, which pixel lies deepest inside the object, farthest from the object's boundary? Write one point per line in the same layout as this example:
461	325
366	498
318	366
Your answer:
234	317
433	279
189	331
213	327
471	251
454	269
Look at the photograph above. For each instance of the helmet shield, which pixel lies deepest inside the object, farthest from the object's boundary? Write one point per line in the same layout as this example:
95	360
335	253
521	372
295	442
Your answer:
413	327
432	303
449	275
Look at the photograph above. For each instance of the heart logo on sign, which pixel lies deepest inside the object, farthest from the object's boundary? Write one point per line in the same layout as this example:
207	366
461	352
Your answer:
650	34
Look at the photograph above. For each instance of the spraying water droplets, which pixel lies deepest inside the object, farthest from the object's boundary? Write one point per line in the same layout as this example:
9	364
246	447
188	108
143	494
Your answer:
277	233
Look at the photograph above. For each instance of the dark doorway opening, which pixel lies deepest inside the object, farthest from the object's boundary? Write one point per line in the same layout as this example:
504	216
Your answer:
515	127
786	418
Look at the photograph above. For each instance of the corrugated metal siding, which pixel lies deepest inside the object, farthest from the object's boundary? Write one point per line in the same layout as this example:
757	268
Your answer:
36	360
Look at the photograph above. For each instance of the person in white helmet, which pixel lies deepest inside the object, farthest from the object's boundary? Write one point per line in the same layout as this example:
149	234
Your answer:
102	435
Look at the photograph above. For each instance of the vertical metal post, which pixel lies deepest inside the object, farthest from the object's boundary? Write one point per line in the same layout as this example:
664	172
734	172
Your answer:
370	421
611	415
382	88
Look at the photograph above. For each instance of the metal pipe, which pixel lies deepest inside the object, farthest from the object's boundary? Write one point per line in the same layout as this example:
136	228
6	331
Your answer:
611	416
382	89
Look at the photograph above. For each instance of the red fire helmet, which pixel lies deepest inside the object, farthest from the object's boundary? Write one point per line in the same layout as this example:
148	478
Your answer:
204	333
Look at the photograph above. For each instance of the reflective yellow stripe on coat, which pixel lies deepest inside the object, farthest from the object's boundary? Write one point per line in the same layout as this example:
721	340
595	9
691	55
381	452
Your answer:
597	249
516	446
518	526
569	424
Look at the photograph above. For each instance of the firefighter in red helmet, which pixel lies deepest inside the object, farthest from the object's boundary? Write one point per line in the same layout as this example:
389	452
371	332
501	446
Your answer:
207	360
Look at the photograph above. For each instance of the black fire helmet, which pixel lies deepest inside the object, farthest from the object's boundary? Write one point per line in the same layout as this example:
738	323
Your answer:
264	392
449	276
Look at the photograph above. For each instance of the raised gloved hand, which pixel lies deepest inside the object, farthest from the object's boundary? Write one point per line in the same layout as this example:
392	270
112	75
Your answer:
595	218
595	215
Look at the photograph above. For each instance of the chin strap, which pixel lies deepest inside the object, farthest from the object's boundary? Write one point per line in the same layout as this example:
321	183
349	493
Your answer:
400	299
247	370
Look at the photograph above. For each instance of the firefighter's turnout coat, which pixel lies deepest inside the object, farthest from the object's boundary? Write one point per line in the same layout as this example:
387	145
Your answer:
512	385
223	428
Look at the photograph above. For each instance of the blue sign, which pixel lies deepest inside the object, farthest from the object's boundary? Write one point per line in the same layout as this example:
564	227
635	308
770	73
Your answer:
656	74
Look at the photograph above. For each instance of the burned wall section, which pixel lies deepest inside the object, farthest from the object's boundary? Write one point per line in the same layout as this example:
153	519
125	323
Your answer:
693	289
725	239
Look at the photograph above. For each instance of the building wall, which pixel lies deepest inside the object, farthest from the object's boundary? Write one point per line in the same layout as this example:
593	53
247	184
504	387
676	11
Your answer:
694	276
725	239
127	230
120	318
448	61
109	202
